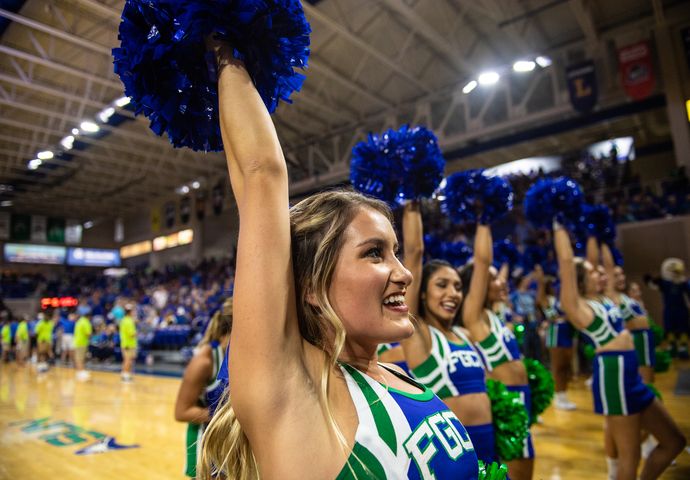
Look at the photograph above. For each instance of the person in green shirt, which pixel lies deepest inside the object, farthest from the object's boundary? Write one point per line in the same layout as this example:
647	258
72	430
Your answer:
128	343
82	335
6	339
21	338
44	337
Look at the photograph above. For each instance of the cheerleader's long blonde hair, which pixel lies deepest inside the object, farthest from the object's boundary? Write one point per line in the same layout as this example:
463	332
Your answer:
317	226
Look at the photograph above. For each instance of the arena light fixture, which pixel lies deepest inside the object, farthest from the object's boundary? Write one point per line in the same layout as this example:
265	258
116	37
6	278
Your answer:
488	78
67	142
105	114
6	203
88	224
196	185
122	102
88	126
45	155
75	131
34	164
469	86
522	66
543	61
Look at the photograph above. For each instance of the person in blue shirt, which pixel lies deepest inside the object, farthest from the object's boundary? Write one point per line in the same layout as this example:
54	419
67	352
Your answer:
525	306
67	324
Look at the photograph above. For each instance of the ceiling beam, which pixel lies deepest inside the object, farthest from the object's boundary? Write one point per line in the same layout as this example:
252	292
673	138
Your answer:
319	16
55	32
135	158
440	45
60	67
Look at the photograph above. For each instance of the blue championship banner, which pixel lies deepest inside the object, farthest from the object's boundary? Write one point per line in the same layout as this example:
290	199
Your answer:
582	85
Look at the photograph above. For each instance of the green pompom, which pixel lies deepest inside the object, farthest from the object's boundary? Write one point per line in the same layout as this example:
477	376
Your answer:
657	330
511	425
492	471
541	386
654	390
663	360
589	351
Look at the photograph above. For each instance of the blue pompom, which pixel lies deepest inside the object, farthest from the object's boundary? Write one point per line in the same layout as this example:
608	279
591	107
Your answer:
455	253
464	194
617	256
404	164
543	255
550	199
505	252
596	221
171	78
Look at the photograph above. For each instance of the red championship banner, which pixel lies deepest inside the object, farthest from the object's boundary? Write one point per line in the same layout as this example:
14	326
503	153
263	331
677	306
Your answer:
637	72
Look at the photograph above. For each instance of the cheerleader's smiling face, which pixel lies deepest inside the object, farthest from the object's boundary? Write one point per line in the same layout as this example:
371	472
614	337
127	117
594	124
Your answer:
443	295
619	278
592	280
369	282
603	279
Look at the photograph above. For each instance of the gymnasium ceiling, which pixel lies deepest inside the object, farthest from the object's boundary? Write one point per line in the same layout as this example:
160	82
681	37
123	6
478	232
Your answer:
373	62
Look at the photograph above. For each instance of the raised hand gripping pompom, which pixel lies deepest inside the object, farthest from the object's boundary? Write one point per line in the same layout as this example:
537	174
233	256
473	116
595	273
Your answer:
472	196
399	165
171	78
455	253
550	199
505	252
596	221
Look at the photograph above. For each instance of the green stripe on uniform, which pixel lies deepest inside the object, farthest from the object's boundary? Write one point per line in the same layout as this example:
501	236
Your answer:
426	367
191	443
362	464
383	422
611	381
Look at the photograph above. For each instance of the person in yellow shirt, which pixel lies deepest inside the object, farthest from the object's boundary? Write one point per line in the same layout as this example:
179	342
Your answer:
128	343
82	335
44	337
21	338
6	339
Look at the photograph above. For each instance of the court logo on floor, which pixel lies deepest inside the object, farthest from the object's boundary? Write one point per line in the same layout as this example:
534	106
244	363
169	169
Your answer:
59	433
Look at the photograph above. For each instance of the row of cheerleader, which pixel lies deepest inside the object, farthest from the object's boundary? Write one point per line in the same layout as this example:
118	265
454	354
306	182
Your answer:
322	285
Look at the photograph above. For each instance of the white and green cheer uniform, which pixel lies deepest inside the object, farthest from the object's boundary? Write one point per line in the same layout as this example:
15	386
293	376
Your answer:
500	346
643	337
617	387
404	435
451	369
194	430
560	333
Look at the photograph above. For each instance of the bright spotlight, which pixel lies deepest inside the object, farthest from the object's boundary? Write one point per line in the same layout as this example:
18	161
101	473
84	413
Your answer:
524	66
34	164
45	155
89	127
471	85
543	61
184	189
196	185
67	142
75	131
488	78
122	101
88	224
104	115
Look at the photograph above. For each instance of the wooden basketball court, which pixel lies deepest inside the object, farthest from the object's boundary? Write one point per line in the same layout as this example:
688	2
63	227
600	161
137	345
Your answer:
52	426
